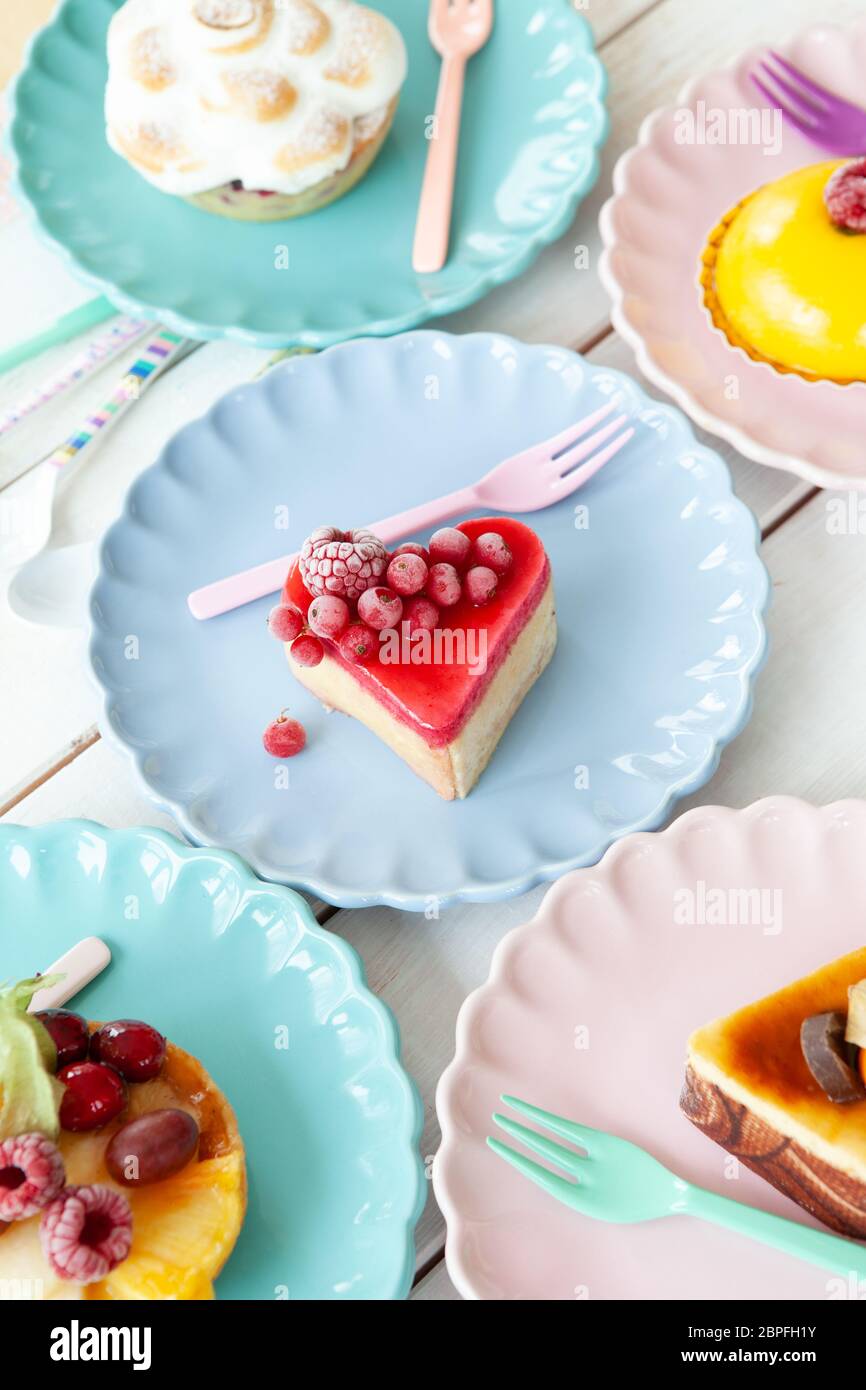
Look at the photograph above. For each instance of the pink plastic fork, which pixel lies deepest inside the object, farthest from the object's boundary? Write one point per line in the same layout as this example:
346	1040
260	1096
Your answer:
458	29
829	122
538	477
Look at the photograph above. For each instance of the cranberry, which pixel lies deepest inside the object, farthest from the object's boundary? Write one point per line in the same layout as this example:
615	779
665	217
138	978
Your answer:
285	622
359	644
94	1095
380	608
414	548
284	737
133	1048
421	613
450	546
443	585
328	616
493	552
307	650
407	574
68	1032
480	584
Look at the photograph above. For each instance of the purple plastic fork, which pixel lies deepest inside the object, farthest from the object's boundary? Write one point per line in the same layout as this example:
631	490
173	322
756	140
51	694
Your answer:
829	122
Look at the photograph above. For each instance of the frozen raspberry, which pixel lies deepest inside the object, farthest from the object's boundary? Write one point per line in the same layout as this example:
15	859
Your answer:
307	650
449	546
359	644
86	1233
421	613
284	737
285	622
31	1176
845	196
414	548
380	608
480	585
328	616
493	552
443	585
407	574
344	563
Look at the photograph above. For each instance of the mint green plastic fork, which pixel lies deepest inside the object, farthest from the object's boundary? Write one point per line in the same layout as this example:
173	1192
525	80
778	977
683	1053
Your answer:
615	1180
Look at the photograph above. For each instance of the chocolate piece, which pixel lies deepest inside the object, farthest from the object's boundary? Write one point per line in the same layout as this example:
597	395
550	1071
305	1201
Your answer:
822	1038
855	1031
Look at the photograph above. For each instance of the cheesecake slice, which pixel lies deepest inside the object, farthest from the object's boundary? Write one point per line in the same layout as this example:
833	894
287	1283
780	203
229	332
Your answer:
443	700
755	1086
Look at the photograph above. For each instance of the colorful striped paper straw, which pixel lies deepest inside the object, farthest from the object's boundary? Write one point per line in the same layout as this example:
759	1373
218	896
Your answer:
155	357
94	355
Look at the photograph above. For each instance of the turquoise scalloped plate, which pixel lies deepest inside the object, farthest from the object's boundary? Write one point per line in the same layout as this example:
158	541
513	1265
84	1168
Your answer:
223	963
534	122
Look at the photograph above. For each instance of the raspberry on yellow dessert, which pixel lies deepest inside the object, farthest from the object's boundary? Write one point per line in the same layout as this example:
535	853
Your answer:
122	1175
432	648
254	109
783	273
780	1085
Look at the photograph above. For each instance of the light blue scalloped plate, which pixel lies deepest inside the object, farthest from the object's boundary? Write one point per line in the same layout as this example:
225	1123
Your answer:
220	962
533	124
660	599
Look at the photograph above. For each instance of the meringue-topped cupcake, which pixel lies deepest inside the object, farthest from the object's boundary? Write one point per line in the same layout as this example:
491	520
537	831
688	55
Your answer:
254	109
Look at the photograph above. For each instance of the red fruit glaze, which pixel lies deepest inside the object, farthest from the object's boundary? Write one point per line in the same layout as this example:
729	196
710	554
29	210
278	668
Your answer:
491	551
284	737
443	585
421	613
414	548
380	608
69	1033
31	1176
307	650
285	623
479	585
328	616
94	1095
407	574
436	701
450	546
131	1047
845	196
359	644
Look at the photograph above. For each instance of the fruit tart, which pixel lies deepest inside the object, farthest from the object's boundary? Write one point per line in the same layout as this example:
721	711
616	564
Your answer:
781	1085
783	273
433	647
121	1168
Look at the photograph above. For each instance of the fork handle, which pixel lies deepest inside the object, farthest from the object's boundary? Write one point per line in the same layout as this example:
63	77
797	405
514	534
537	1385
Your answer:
433	230
841	1256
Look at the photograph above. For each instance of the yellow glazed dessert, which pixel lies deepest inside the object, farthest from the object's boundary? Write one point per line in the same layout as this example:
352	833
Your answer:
784	273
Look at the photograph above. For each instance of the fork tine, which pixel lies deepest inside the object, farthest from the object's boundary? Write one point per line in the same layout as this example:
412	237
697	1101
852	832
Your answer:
568	484
558	1187
800	99
566	1129
775	101
537	1144
569	458
819	93
560	442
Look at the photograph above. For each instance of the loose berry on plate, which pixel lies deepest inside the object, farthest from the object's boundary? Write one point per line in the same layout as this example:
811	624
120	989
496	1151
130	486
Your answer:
359	644
307	650
341	562
31	1176
380	608
154	1147
285	622
845	196
86	1232
493	552
414	548
328	616
479	585
68	1032
132	1048
443	585
421	613
94	1095
284	737
450	546
407	574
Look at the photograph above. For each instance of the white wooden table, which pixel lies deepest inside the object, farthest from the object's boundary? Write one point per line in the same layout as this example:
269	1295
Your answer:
807	734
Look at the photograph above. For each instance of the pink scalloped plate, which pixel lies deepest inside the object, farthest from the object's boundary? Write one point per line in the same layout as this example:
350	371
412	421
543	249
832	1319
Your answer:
587	1012
668	196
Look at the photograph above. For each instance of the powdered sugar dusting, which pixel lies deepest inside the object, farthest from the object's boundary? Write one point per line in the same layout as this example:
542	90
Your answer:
306	26
358	48
225	14
150	61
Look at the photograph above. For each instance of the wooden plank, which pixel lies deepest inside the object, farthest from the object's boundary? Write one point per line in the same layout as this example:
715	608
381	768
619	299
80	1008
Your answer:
435	1287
